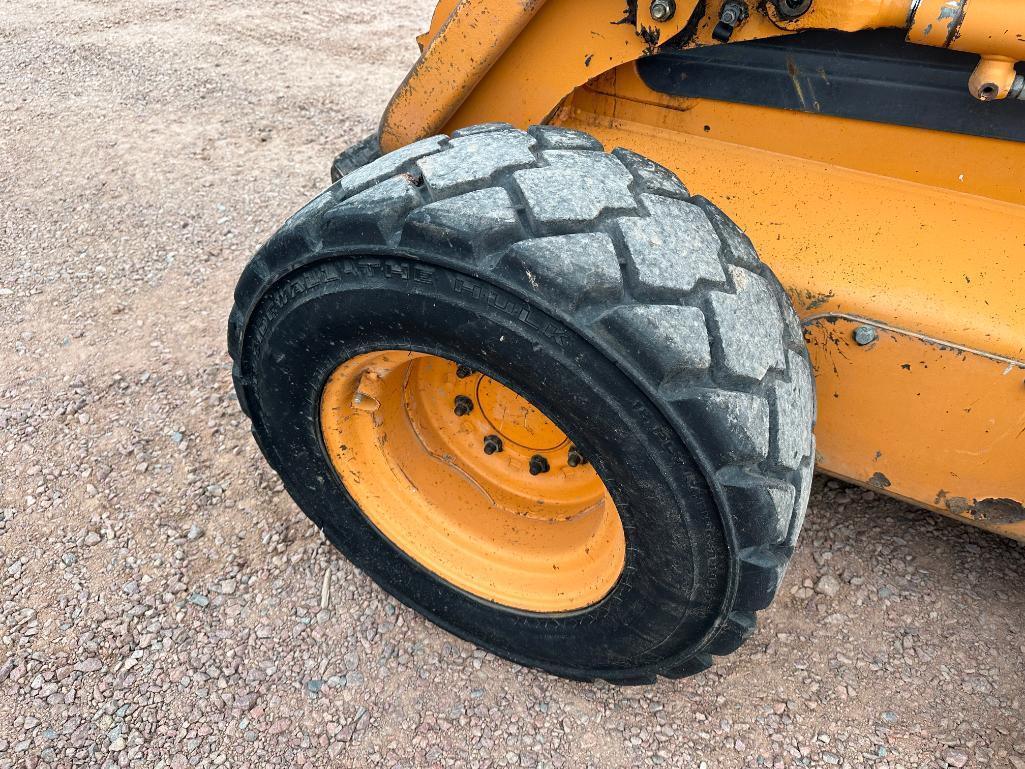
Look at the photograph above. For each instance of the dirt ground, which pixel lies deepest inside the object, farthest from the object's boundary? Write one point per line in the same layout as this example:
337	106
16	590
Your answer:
160	596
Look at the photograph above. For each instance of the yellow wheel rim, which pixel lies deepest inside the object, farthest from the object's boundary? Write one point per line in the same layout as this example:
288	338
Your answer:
408	434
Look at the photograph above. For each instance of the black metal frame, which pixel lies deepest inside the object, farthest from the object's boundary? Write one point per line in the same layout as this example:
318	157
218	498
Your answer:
874	76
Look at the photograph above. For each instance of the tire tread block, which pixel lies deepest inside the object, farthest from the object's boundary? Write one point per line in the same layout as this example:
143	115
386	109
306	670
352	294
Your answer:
746	323
552	137
476	221
663	338
388	165
739	626
572	270
652	177
670	249
573	188
472	160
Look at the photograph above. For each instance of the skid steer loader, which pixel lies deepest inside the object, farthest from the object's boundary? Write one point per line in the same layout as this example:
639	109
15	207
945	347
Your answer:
521	369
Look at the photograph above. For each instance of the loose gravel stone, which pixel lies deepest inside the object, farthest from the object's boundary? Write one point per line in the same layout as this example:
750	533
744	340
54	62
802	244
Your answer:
955	757
828	585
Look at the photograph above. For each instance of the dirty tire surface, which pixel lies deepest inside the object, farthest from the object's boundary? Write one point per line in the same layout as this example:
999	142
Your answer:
620	265
359	154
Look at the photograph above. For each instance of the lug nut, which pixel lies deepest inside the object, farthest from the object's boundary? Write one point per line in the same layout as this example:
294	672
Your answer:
864	335
463	405
538	465
662	10
492	444
574	457
463	371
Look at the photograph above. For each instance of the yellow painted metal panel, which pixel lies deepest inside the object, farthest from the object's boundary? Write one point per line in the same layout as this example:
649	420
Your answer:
924	421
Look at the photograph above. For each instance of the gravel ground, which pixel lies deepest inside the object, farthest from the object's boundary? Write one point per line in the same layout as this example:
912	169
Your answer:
164	604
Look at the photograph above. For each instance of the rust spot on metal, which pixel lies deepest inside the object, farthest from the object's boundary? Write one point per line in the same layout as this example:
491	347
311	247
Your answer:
811	300
795	73
820	300
629	14
879	480
952	13
650	36
958	505
1000	510
992	510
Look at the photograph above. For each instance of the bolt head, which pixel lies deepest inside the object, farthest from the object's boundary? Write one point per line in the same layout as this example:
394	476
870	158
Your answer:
732	13
538	465
463	371
574	458
492	444
662	10
864	335
463	406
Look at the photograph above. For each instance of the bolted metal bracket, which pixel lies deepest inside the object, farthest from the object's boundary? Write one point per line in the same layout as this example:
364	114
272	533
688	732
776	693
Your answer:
657	21
732	14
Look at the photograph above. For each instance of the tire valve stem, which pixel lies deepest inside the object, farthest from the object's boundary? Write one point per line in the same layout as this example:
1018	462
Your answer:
538	465
463	371
574	457
492	444
463	406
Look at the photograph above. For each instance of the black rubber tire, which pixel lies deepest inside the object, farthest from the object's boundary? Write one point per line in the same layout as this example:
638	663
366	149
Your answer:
636	316
366	150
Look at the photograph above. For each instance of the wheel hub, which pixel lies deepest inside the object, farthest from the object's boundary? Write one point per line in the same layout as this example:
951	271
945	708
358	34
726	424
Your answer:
514	420
472	481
